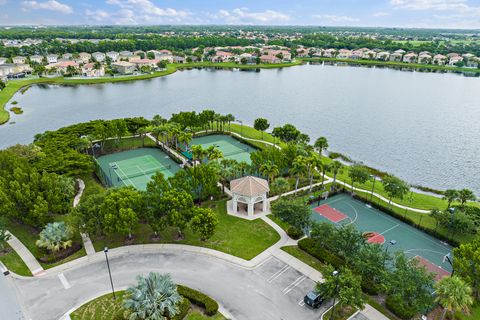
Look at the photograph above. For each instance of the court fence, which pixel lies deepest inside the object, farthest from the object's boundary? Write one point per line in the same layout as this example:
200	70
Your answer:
102	175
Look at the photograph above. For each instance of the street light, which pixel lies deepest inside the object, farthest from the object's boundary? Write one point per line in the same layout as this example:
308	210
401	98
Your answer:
241	127
373	187
335	274
391	243
448	258
109	272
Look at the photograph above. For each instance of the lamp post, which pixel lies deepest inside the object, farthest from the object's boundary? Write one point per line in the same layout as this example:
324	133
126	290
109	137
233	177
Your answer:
335	274
450	262
391	243
109	272
373	187
241	127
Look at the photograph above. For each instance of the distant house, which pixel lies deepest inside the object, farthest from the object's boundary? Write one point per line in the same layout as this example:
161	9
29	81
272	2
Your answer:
62	66
452	54
473	62
52	58
139	53
439	59
356	55
383	56
13	70
330	53
303	52
270	59
124	67
3	60
166	52
424	58
369	54
19	60
396	57
178	59
152	63
410	57
344	54
113	55
249	58
88	70
36	59
125	54
98	56
221	56
67	56
400	51
454	60
84	56
284	54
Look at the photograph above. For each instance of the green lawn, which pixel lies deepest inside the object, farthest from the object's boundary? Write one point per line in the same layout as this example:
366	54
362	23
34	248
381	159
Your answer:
15	264
239	237
474	314
305	257
105	308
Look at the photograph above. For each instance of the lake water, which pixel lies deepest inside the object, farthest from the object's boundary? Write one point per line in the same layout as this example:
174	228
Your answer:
423	127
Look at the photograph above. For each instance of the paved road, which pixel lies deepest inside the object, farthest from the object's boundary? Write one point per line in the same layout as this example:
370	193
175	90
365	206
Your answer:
9	305
272	290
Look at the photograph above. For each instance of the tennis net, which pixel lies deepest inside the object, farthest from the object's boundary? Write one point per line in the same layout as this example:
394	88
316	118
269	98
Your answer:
141	172
231	153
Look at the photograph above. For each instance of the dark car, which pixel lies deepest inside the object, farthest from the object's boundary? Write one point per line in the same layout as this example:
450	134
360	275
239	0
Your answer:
313	299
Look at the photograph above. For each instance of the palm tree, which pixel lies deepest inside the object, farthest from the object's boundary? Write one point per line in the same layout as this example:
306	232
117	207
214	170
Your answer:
325	168
336	167
230	118
280	186
465	195
154	297
198	153
269	170
313	162
55	237
298	170
213	153
321	144
450	195
142	131
185	138
453	294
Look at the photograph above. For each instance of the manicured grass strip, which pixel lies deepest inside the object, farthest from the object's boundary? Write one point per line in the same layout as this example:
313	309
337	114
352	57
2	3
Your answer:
474	314
197	315
395	64
304	257
14	263
239	237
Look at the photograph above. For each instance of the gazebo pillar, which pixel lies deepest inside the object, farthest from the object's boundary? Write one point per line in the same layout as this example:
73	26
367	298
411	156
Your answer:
235	204
264	204
251	207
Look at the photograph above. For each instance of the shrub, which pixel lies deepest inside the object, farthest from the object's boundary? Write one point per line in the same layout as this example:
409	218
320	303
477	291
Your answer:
199	299
294	233
183	309
16	110
394	304
313	248
370	287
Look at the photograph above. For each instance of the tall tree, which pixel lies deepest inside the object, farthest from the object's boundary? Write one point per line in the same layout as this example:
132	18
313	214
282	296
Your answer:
336	168
204	222
154	297
466	264
465	195
321	144
450	195
298	170
395	187
453	294
294	212
269	170
358	174
261	124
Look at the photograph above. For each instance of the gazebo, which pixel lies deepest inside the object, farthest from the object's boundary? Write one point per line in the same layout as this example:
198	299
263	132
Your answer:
246	193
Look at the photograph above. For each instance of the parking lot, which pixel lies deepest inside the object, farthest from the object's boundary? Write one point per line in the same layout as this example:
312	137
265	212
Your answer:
285	280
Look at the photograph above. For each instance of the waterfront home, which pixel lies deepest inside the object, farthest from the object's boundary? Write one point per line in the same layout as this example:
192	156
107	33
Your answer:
303	52
165	52
89	70
383	56
52	58
270	59
284	55
439	59
178	59
152	63
410	57
62	66
400	51
13	71
19	60
455	60
140	53
330	53
452	54
396	57
36	59
124	67
84	56
98	56
247	57
125	54
113	55
369	54
161	55
344	54
356	54
67	56
424	58
316	53
222	56
3	60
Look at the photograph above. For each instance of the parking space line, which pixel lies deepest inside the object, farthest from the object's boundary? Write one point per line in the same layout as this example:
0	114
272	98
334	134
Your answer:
64	281
295	283
301	303
263	262
277	274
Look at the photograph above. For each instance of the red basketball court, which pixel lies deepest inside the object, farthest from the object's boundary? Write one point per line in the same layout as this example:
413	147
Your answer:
375	237
438	271
330	213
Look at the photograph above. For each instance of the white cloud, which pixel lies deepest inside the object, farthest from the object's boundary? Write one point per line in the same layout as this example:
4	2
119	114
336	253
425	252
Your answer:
52	5
243	15
136	12
381	14
336	19
437	5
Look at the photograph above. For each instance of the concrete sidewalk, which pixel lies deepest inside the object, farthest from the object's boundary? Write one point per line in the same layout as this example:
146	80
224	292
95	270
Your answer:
27	257
87	243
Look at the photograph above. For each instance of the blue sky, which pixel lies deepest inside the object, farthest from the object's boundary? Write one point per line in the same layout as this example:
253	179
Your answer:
387	13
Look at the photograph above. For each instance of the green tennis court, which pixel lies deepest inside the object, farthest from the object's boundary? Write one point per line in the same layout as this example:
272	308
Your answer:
135	167
382	228
230	147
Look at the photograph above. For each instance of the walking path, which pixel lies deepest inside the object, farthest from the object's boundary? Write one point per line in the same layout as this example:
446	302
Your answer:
33	265
174	152
87	243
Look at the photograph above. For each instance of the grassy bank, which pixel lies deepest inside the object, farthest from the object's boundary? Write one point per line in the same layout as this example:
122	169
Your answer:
14	263
396	64
14	85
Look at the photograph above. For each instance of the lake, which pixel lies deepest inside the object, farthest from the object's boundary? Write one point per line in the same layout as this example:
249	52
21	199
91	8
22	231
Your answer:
423	127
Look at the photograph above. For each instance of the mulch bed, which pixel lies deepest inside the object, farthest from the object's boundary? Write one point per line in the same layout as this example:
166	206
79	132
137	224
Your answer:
50	258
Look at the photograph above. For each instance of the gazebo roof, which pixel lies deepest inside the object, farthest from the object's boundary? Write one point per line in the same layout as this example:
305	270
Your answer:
249	186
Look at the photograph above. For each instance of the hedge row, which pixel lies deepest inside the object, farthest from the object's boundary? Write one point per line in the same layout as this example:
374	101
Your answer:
398	309
183	309
199	299
313	248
